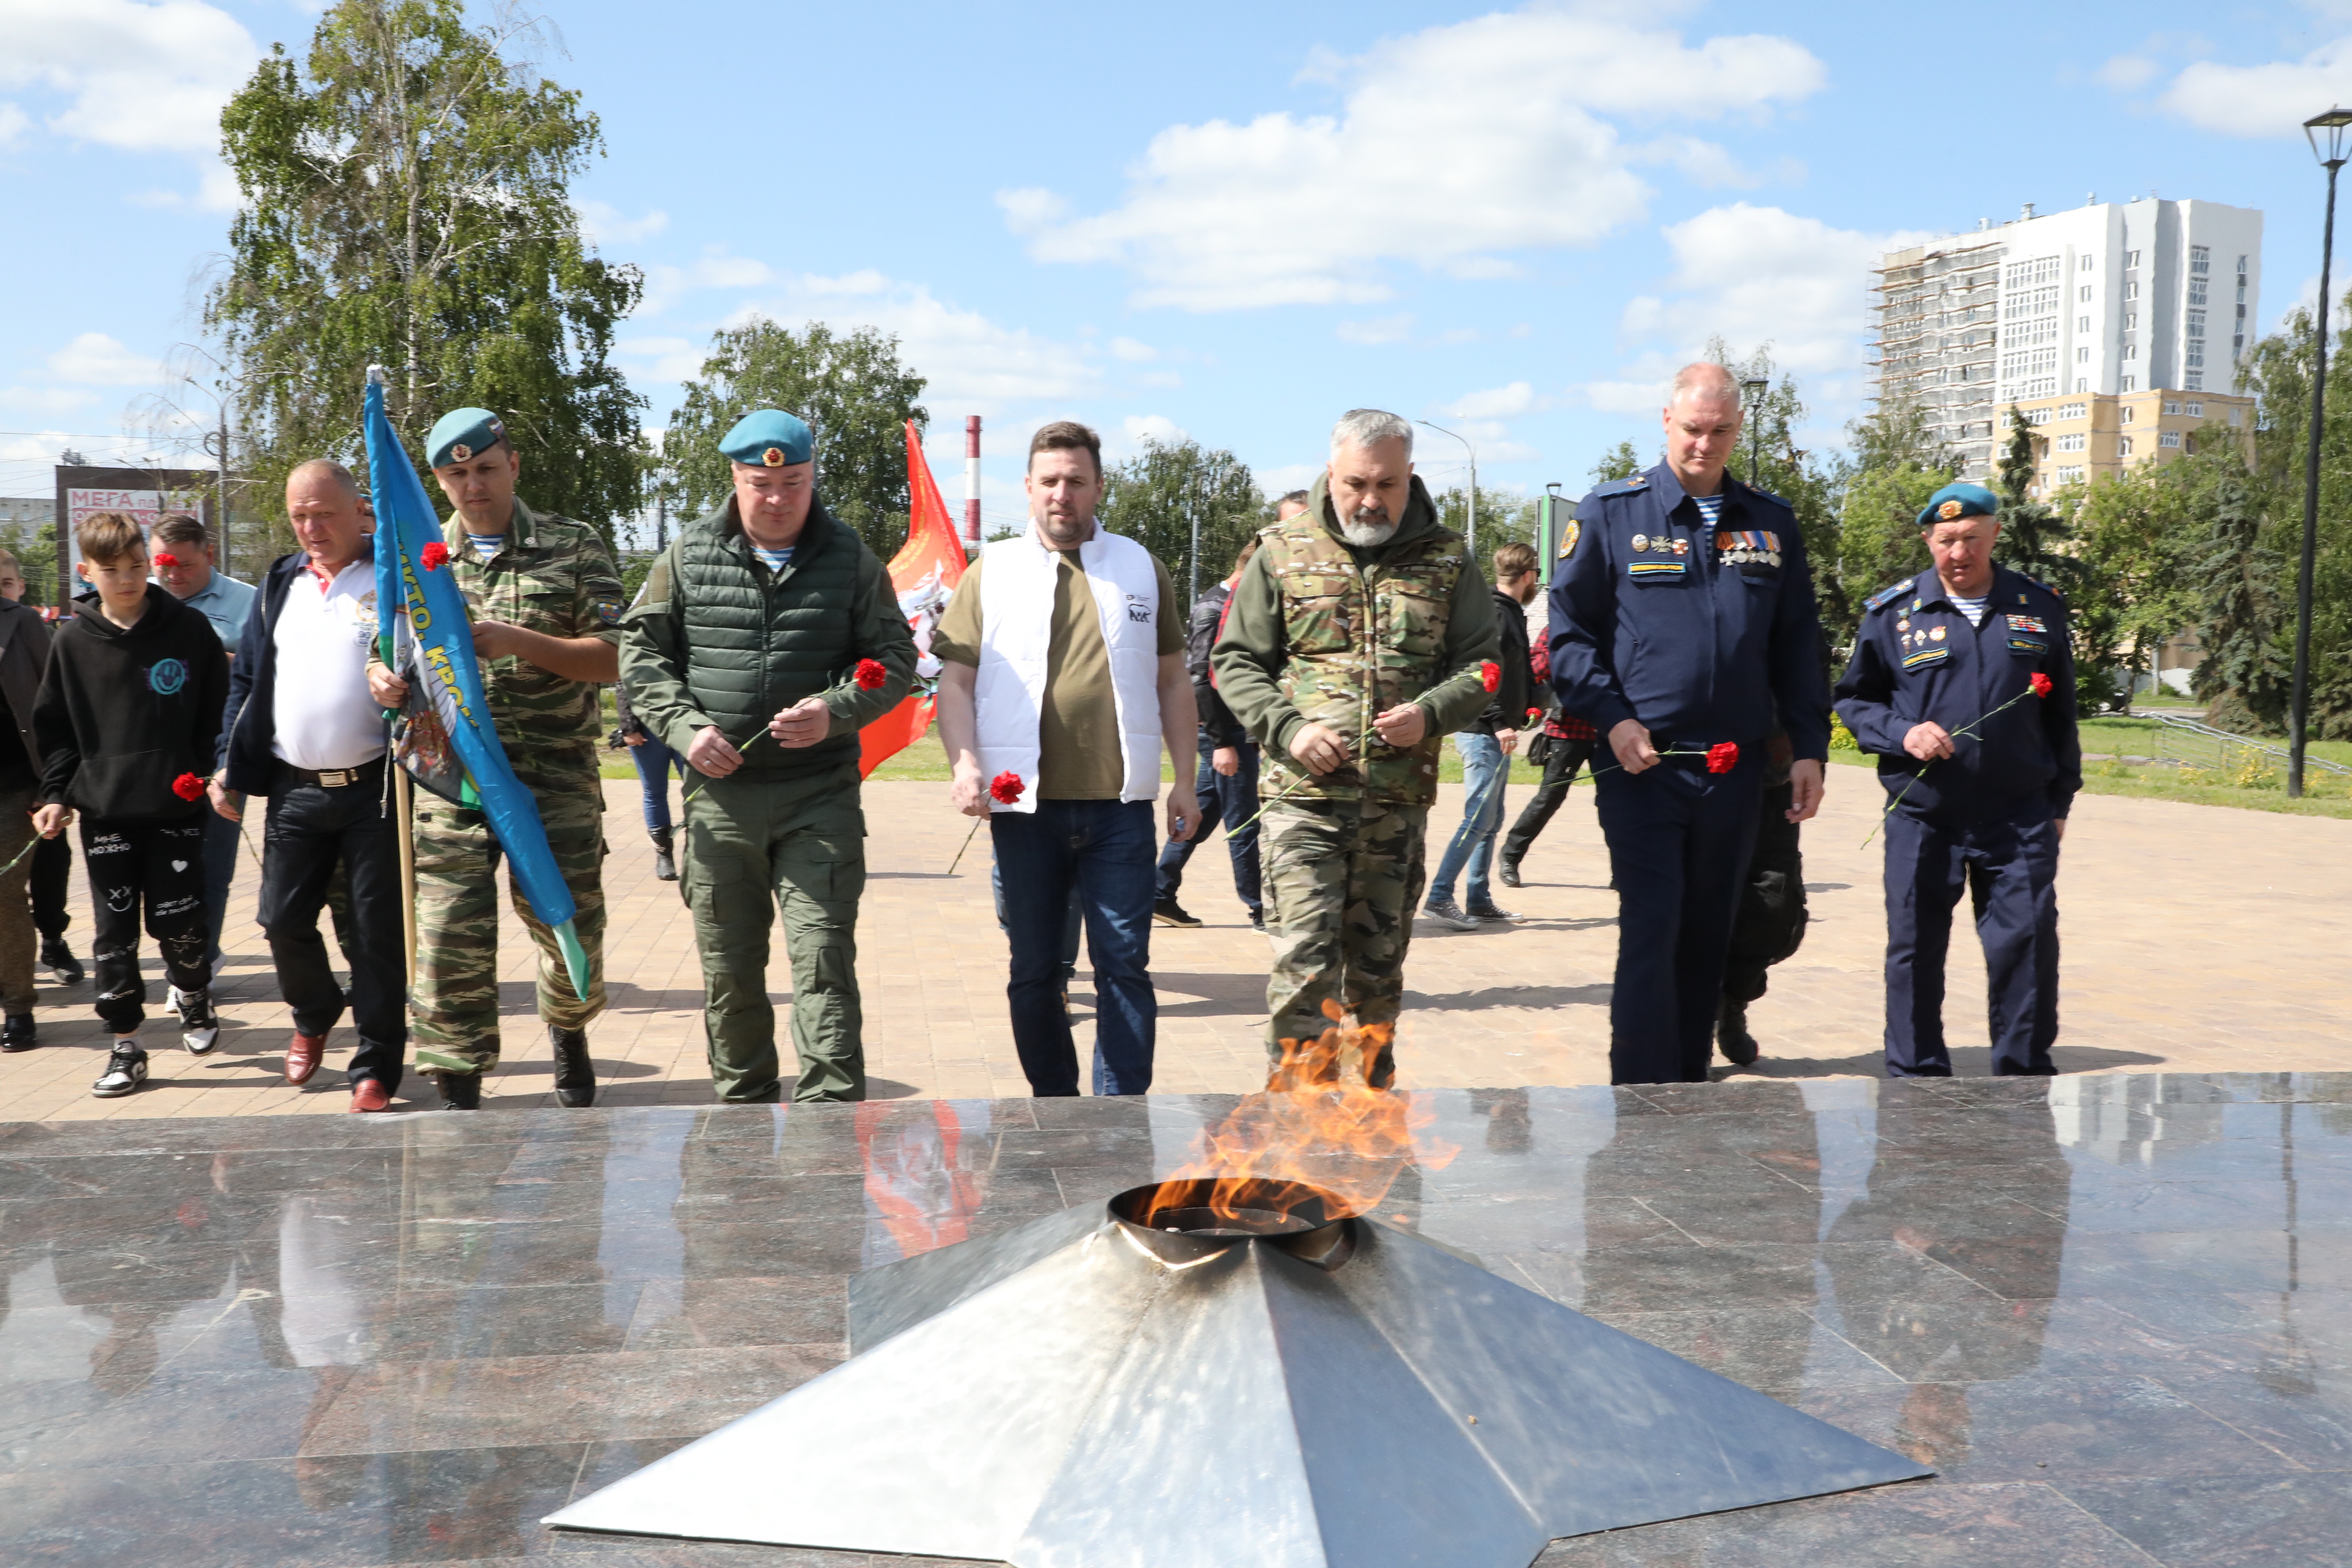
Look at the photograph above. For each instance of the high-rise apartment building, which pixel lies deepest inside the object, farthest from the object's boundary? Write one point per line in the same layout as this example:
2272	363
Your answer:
2111	297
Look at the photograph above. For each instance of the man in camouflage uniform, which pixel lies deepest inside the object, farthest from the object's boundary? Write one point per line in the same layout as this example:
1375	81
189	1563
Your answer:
546	608
1353	648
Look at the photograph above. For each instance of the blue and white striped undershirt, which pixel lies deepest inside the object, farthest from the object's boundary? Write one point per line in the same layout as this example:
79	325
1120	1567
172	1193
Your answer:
774	560
1973	608
1710	508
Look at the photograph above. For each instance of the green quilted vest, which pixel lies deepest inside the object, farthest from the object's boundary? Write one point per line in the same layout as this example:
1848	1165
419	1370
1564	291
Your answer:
1358	641
758	641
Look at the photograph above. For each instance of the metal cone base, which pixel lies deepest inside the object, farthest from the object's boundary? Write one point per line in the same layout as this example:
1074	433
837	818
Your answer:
1059	1395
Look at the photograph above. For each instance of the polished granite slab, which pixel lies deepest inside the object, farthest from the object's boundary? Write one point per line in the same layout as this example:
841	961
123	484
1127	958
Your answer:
2114	1311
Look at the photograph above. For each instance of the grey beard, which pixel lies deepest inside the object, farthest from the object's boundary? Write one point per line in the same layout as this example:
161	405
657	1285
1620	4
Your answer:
1366	535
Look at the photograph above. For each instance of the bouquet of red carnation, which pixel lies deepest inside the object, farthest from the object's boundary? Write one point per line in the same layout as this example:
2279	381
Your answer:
434	556
870	674
1490	676
188	787
1005	788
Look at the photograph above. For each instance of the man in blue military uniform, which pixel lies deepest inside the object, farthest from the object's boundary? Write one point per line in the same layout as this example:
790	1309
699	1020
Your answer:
1682	617
1963	684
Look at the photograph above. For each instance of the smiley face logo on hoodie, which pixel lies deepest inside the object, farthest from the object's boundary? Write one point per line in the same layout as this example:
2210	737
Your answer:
166	675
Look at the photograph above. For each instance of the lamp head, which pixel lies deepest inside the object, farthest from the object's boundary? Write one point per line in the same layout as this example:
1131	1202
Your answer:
2325	132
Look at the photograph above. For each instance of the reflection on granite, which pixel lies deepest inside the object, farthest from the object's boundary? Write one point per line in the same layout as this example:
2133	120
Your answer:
2114	1311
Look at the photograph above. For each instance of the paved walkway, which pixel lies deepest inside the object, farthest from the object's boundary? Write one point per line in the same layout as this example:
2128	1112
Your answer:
2197	938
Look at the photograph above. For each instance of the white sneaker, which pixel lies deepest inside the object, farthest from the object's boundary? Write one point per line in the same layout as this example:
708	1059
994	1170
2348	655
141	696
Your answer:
199	1027
126	1069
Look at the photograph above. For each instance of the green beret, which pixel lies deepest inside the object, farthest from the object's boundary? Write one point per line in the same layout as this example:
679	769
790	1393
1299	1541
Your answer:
1957	501
462	435
769	439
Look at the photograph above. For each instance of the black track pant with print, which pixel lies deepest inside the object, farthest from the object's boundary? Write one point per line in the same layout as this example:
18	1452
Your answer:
152	867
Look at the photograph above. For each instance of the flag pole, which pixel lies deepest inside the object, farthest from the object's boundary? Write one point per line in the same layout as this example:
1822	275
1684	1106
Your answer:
401	804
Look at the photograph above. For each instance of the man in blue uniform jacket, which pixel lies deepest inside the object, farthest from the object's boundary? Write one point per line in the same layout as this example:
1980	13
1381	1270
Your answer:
1682	617
1963	684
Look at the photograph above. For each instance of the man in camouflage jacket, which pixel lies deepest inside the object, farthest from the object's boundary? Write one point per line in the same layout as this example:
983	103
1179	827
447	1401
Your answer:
1355	644
546	608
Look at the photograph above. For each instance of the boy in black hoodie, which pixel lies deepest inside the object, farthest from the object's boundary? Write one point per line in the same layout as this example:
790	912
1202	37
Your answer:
128	719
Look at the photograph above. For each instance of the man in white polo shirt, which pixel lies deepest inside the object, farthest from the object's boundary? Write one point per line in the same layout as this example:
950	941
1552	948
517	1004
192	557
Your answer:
313	741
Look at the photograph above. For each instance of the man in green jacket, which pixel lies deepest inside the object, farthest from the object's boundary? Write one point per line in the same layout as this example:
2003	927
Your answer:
1354	644
767	635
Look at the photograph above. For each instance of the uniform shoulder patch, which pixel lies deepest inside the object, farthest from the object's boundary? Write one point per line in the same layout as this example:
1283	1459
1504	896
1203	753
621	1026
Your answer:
1624	486
1887	595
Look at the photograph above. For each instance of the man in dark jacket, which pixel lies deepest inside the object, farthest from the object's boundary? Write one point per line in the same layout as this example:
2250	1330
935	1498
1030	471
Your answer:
24	654
303	730
766	637
1486	744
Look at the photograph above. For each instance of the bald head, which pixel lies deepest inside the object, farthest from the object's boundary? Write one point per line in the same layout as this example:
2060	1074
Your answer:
326	510
322	470
1702	420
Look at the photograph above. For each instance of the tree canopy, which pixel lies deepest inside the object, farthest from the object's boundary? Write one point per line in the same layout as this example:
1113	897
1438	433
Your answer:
1154	497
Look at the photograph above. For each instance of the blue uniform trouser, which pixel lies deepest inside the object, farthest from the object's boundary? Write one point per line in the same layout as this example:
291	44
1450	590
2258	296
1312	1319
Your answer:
1235	802
2009	868
1679	839
1103	849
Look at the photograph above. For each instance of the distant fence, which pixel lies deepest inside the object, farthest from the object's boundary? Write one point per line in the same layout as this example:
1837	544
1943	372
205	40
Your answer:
2187	743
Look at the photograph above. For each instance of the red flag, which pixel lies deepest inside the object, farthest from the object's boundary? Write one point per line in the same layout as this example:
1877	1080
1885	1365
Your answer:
924	572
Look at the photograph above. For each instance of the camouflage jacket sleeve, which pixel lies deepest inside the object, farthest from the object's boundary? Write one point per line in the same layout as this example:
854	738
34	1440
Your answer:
1472	639
1249	655
653	660
598	613
880	633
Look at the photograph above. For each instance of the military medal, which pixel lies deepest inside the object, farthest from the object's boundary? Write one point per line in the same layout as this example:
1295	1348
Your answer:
1937	635
1641	543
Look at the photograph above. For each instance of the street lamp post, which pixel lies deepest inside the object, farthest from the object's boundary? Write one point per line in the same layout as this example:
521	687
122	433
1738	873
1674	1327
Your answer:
2331	158
1755	390
1471	539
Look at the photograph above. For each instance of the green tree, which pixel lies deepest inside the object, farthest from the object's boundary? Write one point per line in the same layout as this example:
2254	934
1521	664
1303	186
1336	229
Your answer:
2247	590
1504	517
2277	372
1619	462
407	202
852	390
1155	497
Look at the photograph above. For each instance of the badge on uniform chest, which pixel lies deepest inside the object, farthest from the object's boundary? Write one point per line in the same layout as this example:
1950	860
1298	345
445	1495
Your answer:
1658	555
1748	547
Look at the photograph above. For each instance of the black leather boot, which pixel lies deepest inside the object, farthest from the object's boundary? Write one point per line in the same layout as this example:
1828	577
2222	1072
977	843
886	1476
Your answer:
459	1090
664	864
575	1077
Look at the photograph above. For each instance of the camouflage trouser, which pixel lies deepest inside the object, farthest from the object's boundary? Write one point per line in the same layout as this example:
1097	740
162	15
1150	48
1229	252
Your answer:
1342	879
455	1000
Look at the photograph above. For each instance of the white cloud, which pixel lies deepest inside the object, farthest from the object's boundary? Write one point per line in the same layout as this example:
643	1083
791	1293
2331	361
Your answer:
715	270
663	359
1288	476
46	399
1492	125
2271	99
1627	396
1156	428
1377	331
604	223
2126	72
1519	397
1132	353
98	360
14	123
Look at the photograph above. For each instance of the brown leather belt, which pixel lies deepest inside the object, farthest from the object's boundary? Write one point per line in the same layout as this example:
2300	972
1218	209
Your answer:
336	778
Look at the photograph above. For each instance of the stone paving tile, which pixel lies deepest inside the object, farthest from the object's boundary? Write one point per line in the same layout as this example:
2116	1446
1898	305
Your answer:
2197	938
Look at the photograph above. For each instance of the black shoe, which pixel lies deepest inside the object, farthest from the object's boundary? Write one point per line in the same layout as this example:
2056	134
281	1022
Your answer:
61	961
126	1069
1510	874
199	1025
1731	1036
665	866
1257	919
1492	911
575	1077
1446	912
17	1034
459	1090
1169	912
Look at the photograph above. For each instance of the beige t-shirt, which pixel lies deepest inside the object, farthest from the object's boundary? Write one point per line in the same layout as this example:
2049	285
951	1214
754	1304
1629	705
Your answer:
1078	729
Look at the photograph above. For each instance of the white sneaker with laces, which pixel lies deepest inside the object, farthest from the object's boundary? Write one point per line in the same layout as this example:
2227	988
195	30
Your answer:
199	1027
126	1069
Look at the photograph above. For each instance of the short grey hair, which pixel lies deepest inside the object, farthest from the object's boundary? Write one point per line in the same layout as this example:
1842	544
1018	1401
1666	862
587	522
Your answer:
1703	380
1366	426
329	468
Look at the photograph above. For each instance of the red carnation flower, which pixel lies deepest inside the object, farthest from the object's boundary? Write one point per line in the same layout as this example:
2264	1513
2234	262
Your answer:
188	787
1722	757
166	560
870	674
1532	713
2042	684
434	556
1490	676
1005	787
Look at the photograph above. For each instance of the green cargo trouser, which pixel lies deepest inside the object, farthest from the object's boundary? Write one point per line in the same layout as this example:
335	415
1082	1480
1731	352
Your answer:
456	1000
754	847
1342	881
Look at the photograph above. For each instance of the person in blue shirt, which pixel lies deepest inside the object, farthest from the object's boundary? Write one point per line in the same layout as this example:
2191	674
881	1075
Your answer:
181	551
1962	683
1683	619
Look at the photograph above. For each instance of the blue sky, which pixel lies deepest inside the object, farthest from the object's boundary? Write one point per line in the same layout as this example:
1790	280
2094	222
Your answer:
1232	221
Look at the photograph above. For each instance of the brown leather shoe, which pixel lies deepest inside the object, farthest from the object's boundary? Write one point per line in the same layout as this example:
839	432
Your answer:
369	1095
302	1054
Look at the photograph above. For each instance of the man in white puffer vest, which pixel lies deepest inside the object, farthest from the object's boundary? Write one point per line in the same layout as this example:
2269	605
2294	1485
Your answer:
1061	675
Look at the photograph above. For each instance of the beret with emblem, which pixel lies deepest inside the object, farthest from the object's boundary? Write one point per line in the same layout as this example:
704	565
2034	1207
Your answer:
769	439
462	435
1957	501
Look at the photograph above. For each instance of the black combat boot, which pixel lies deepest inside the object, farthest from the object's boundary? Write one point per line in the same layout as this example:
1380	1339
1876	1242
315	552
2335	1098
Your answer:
575	1077
665	866
459	1090
1731	1035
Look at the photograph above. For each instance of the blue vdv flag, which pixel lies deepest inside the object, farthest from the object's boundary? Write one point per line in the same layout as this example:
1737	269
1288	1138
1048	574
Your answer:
423	632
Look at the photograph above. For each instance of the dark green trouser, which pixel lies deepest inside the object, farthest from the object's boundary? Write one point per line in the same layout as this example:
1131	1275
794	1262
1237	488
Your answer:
752	849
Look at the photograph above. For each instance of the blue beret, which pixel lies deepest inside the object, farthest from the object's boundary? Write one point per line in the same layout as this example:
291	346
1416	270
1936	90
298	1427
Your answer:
462	435
1957	501
769	439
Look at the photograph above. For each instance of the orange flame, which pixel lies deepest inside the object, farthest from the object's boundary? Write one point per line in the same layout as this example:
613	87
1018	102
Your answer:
1321	1121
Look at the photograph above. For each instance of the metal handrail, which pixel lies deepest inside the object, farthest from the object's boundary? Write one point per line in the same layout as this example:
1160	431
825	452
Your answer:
2222	743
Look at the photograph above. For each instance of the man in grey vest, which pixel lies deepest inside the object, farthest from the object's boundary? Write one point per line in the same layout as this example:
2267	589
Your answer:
766	637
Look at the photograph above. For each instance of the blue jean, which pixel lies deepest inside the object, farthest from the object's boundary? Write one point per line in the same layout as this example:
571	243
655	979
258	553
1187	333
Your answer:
1236	802
1073	925
1485	772
654	762
221	840
1103	849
